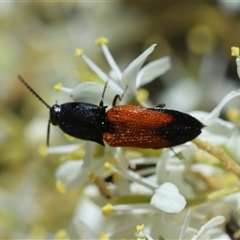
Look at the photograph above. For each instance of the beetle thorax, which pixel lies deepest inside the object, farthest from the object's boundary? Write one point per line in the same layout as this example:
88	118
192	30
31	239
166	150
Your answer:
55	111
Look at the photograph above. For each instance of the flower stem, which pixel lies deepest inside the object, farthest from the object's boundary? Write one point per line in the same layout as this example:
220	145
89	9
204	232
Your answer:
213	196
219	153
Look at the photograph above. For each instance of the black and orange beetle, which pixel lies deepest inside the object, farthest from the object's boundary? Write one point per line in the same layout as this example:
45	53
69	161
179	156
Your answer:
122	125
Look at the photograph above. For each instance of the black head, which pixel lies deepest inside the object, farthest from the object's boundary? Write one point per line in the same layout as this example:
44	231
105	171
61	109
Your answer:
55	111
53	107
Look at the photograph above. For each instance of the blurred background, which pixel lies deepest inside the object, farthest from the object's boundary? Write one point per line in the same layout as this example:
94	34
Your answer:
37	40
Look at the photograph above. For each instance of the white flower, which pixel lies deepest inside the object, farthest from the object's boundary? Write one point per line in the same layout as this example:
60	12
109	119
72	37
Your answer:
132	77
217	132
210	224
168	199
170	229
72	174
187	233
169	188
92	221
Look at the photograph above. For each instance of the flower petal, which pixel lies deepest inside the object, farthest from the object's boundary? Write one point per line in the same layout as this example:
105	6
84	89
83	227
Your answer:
80	230
91	92
210	224
168	229
95	68
185	225
217	131
111	61
72	173
168	199
90	215
64	149
100	73
130	73
152	70
234	143
238	66
216	111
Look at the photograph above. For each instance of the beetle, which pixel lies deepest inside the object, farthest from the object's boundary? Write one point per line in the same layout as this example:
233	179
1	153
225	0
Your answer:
136	126
122	125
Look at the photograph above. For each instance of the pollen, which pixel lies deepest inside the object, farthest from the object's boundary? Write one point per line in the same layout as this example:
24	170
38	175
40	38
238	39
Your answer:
107	166
233	114
101	40
142	95
231	179
103	236
61	234
60	187
235	51
92	176
139	228
107	209
42	151
78	52
58	86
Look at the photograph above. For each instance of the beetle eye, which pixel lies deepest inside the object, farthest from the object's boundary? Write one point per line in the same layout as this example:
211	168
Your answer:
54	114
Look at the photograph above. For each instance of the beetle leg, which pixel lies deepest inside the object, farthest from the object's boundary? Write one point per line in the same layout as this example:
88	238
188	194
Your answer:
161	105
118	97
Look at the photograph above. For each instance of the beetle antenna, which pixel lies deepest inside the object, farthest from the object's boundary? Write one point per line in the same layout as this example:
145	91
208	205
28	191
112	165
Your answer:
48	132
103	93
32	91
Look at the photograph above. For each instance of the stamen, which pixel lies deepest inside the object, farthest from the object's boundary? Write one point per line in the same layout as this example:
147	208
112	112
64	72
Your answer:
101	40
107	209
78	52
60	187
235	51
58	86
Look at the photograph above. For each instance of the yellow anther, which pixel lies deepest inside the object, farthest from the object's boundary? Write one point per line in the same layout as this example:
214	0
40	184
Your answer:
92	176
61	234
233	114
43	150
139	228
142	95
235	51
78	52
231	179
58	86
103	236
101	40
60	187
107	166
107	209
